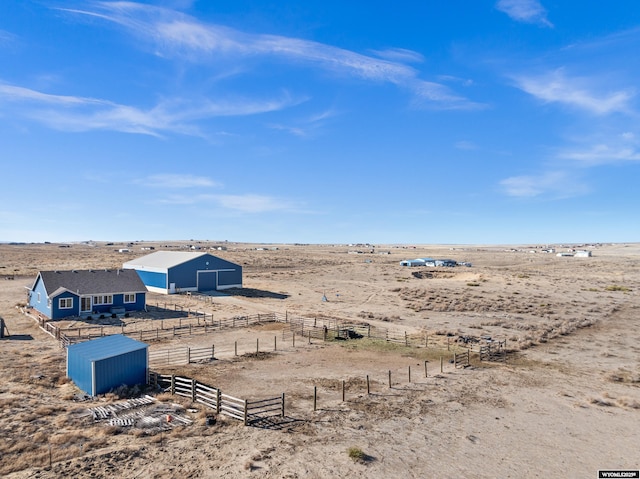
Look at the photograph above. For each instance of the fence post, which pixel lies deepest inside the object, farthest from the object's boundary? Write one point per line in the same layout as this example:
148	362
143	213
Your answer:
315	397
447	343
389	378
409	373
309	336
282	404
141	335
426	341
343	390
246	415
425	370
275	342
293	337
188	355
174	331
235	347
218	400
368	389
213	351
455	360
406	342
257	345
440	363
194	385
173	384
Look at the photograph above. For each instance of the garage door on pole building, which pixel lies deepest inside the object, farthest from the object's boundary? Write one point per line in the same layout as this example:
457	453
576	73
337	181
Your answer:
207	280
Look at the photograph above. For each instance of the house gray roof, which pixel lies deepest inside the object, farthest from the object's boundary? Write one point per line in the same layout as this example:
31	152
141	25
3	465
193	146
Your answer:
89	282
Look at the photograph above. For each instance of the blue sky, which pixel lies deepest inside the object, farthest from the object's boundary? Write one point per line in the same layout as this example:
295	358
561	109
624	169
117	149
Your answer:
510	121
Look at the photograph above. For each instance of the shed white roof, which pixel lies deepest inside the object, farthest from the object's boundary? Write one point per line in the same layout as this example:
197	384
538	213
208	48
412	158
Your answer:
162	259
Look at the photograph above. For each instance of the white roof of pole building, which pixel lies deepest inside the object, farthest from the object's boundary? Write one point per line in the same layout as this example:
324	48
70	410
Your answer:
162	259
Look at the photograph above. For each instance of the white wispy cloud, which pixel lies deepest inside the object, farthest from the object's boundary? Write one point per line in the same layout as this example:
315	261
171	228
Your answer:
602	153
306	127
526	11
399	55
174	34
168	180
466	145
74	113
579	92
556	184
242	203
251	203
6	37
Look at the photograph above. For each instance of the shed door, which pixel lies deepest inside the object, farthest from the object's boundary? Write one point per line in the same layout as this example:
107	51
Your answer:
207	280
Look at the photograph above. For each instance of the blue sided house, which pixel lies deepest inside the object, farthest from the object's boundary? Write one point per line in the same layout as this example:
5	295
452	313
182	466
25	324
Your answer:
61	294
103	364
170	272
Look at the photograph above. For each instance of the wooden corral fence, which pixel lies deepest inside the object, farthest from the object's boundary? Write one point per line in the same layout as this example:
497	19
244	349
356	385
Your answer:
248	411
147	333
181	355
461	360
494	352
330	329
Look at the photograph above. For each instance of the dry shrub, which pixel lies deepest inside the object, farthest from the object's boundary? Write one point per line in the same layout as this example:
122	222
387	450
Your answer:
68	396
10	402
95	443
135	432
21	446
40	437
67	438
628	402
46	410
164	397
62	380
179	432
624	376
107	431
601	402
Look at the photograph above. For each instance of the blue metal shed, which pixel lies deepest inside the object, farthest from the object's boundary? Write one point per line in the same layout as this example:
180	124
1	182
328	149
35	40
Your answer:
102	364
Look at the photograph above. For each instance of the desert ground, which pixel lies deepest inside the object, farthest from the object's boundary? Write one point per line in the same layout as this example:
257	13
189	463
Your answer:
565	404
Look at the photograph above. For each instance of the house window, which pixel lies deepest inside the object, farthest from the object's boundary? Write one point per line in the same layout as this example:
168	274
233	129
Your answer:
65	303
38	297
130	298
106	299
